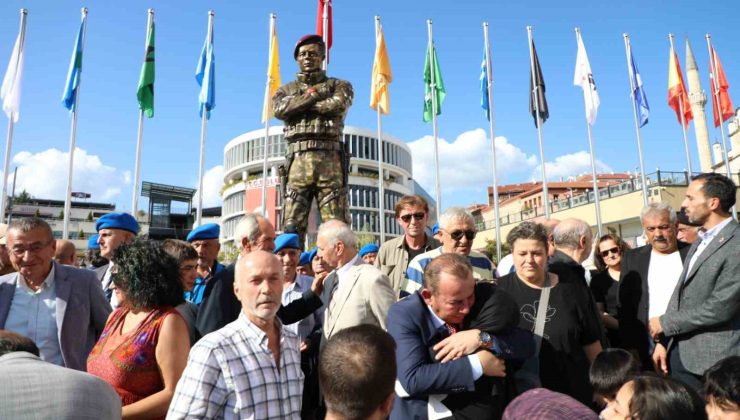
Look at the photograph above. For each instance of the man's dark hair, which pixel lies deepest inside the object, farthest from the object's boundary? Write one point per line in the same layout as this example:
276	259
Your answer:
657	398
528	230
357	371
722	383
147	275
718	186
11	342
611	369
411	201
450	263
28	224
180	250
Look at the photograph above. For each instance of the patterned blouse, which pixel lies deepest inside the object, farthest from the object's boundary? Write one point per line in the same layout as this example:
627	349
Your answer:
127	361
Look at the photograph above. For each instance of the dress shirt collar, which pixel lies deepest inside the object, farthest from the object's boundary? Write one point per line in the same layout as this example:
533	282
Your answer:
341	271
48	282
253	332
709	234
437	321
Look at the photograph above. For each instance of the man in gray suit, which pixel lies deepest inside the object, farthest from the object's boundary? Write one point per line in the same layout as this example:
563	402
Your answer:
354	293
62	309
34	389
703	316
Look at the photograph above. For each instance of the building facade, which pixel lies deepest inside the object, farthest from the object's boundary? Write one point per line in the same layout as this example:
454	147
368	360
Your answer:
242	191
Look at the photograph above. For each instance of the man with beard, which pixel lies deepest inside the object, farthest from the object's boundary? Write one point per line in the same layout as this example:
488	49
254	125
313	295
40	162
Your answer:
649	275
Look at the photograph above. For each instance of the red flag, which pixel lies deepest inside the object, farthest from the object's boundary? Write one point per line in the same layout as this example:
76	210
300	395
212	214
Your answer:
725	103
677	96
320	24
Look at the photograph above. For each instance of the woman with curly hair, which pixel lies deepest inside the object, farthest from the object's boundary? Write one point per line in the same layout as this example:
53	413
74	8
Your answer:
608	251
144	346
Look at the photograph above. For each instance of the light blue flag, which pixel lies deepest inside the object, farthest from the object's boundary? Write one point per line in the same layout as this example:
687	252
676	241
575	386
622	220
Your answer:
73	76
638	95
205	75
484	87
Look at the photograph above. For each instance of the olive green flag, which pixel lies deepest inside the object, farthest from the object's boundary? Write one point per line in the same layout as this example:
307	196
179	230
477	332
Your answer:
145	90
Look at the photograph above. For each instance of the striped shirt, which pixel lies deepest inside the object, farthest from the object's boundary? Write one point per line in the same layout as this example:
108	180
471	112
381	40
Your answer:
482	269
231	374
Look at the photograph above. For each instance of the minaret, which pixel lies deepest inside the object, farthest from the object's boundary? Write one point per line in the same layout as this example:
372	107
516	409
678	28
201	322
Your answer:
698	100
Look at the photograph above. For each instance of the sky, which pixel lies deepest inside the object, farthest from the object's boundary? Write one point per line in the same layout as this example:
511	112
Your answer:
114	49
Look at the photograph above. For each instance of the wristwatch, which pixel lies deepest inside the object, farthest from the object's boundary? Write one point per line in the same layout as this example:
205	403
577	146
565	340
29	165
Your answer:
485	339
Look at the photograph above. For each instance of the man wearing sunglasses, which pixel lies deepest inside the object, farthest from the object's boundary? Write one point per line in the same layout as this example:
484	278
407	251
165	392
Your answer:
648	277
412	214
457	230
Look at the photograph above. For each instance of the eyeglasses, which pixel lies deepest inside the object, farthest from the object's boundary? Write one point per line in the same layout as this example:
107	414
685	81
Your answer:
606	253
458	234
417	216
33	248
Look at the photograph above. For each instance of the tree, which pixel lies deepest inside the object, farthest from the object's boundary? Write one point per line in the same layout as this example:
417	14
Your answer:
140	214
491	249
81	234
364	237
61	214
37	213
89	216
228	253
23	197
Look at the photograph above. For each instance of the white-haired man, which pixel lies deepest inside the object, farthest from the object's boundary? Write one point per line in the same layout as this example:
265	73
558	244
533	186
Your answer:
220	306
457	230
355	293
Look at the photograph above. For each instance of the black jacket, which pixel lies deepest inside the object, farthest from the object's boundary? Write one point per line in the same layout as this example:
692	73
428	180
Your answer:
634	299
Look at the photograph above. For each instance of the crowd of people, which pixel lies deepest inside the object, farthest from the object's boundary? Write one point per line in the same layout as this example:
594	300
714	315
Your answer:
419	327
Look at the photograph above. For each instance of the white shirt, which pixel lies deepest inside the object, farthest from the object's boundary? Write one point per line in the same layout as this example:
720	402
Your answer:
343	270
706	237
663	274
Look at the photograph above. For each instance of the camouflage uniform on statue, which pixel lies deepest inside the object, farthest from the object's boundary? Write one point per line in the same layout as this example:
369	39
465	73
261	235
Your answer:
313	108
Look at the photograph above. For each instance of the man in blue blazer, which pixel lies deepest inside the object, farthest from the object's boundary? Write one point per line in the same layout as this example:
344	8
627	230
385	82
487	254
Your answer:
62	309
449	360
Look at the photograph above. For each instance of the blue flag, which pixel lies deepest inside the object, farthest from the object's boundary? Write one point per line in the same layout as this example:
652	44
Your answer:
638	94
205	75
484	87
73	76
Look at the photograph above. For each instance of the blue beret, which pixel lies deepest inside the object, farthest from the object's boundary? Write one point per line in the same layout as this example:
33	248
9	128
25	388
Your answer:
435	229
207	231
312	254
369	248
92	242
305	258
287	240
123	221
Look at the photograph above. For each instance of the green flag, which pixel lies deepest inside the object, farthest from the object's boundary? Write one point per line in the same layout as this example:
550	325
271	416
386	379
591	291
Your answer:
438	88
145	90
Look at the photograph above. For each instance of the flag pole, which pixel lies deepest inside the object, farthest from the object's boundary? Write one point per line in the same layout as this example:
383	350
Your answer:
683	120
140	136
268	102
73	134
489	93
9	140
715	97
325	32
381	178
597	201
643	181
536	88
433	89
204	120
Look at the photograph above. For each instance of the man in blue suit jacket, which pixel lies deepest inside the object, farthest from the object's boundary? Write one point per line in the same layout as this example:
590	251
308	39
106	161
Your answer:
454	320
62	309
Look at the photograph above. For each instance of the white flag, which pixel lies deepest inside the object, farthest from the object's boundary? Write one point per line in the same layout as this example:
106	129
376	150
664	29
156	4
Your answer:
10	92
585	79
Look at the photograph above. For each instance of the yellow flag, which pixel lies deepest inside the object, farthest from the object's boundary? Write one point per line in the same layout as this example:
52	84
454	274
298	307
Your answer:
382	77
273	77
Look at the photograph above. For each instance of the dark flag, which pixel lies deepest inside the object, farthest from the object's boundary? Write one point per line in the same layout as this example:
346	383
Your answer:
539	83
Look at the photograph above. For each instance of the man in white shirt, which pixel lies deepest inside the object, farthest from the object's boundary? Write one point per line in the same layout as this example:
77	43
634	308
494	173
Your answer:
648	276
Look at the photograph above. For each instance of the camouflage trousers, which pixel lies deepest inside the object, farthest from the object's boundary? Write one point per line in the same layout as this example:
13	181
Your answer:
314	174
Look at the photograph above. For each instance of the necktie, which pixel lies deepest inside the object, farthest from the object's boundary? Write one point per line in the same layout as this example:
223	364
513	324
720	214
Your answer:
452	329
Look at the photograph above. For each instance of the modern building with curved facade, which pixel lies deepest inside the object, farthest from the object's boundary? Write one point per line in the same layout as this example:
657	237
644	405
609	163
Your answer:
243	163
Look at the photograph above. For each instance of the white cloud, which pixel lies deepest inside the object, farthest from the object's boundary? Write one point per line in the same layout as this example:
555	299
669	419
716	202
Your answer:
572	164
213	180
44	175
466	163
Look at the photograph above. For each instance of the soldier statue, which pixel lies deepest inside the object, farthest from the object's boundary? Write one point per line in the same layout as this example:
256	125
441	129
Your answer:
313	108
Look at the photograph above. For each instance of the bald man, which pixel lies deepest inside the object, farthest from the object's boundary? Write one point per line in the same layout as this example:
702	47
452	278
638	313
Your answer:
66	253
245	352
